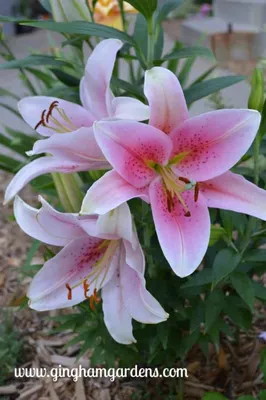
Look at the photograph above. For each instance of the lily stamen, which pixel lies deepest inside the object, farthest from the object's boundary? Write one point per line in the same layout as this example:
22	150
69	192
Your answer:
69	295
86	288
59	126
42	121
196	192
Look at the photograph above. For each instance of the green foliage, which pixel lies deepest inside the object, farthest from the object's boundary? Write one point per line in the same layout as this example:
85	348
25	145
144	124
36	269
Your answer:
11	346
145	7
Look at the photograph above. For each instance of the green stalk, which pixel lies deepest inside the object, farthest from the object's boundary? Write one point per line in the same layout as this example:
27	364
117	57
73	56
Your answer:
123	16
69	192
151	35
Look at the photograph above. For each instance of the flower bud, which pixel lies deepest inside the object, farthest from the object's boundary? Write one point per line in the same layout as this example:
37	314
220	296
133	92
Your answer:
70	10
256	98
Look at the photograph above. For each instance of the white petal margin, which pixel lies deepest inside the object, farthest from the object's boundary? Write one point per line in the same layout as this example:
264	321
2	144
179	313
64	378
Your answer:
47	225
116	317
233	192
95	92
41	166
129	108
141	305
166	99
109	192
116	224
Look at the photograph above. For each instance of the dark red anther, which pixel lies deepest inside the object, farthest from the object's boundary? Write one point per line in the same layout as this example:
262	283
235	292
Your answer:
42	121
170	201
185	180
52	106
69	295
196	193
188	214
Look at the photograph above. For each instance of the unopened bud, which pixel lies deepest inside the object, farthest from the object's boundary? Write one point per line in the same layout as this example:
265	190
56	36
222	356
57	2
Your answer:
256	98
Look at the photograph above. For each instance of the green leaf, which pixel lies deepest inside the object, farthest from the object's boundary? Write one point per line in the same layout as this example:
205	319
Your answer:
217	233
134	90
214	396
9	164
205	88
166	8
214	305
262	395
64	77
196	51
7	93
46	5
246	398
145	7
224	264
83	28
199	278
205	75
34	60
259	291
258	255
11	109
32	251
243	286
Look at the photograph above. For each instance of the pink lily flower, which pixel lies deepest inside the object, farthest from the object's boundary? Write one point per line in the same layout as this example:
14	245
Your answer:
182	164
98	253
77	149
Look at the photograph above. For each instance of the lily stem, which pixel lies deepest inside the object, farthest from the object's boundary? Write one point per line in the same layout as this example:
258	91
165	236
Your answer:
151	36
69	192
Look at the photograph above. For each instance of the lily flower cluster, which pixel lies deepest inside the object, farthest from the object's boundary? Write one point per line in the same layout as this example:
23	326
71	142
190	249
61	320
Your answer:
177	164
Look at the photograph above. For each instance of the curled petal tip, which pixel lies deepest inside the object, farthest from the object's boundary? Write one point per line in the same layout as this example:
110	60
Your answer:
29	153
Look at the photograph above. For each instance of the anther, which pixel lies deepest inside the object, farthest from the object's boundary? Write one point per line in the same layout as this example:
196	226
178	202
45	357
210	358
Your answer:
185	180
51	108
188	214
69	295
42	121
170	201
86	287
196	193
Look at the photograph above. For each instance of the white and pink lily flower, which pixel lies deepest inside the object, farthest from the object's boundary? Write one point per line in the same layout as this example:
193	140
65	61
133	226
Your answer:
182	164
70	141
98	253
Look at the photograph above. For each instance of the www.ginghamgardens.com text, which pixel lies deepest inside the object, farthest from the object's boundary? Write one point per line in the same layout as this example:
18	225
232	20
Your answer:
111	373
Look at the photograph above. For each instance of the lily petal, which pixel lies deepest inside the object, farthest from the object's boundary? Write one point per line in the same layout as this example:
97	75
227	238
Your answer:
116	224
70	266
133	148
184	240
32	109
95	92
141	305
129	108
41	166
233	192
47	224
79	146
166	99
109	192
212	143
116	317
